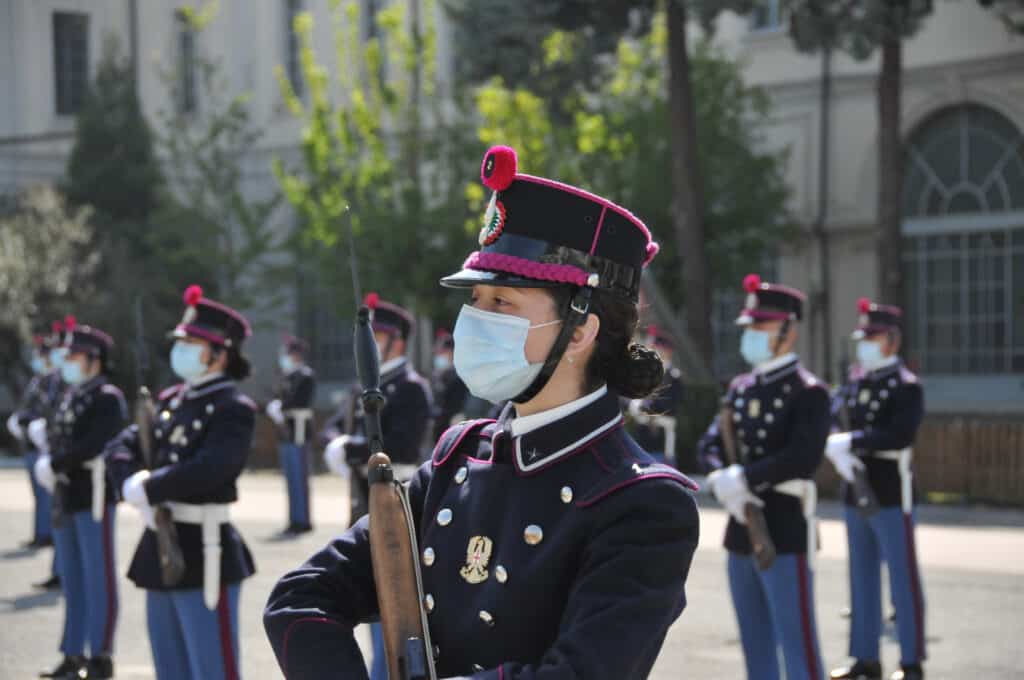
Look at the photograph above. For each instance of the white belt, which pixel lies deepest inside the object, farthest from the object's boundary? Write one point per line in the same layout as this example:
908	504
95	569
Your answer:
98	468
210	516
301	416
807	491
903	458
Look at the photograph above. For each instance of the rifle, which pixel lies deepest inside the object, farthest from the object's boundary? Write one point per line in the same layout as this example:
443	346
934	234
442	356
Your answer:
393	543
757	525
172	561
864	497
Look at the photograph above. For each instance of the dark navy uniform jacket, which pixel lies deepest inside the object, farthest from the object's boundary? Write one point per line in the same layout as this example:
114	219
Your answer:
451	395
665	402
582	545
296	391
41	399
781	420
202	437
403	421
885	408
90	415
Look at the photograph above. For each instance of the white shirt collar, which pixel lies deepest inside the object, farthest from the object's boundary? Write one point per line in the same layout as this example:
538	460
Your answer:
521	426
390	365
772	364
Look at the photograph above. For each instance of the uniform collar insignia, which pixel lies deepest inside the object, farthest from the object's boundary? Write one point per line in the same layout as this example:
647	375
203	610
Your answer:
893	366
219	382
553	441
778	368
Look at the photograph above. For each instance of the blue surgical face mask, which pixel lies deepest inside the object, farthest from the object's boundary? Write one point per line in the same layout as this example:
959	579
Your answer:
186	361
756	346
286	363
71	372
490	353
38	365
869	354
442	362
57	356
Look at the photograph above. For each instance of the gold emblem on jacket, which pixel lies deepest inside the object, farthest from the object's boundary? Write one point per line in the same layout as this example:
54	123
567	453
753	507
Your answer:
478	554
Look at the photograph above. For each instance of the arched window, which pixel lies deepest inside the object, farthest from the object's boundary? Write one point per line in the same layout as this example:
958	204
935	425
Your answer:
963	200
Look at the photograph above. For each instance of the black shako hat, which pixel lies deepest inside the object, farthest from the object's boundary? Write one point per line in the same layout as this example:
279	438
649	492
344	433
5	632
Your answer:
389	318
87	339
876	318
770	302
540	233
211	321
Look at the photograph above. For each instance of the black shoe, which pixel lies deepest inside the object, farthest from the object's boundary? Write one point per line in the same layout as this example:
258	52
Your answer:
300	528
913	672
98	668
67	669
860	670
52	583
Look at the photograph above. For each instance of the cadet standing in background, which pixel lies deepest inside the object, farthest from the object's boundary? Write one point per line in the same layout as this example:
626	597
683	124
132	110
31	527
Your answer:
201	438
885	405
763	450
654	418
91	413
292	413
449	390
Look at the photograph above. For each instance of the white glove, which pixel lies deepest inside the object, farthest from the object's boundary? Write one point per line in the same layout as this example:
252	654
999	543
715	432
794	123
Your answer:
44	473
837	449
334	456
134	490
37	434
274	412
731	490
15	428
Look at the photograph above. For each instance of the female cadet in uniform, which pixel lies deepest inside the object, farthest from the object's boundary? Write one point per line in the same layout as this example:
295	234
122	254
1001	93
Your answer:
201	439
91	412
552	546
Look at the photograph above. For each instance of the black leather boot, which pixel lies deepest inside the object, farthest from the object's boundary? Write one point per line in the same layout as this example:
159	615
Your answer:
66	669
860	670
912	672
98	668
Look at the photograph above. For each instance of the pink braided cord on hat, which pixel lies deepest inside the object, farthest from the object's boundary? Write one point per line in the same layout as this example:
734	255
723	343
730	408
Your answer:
562	273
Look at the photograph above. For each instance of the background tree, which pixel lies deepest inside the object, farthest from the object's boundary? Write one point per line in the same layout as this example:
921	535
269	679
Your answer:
45	268
858	27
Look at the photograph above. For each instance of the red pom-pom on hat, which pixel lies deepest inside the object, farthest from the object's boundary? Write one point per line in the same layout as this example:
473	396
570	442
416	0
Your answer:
371	300
499	167
864	305
193	294
751	282
70	322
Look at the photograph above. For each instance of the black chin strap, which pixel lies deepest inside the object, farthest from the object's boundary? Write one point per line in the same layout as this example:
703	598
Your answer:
572	318
781	336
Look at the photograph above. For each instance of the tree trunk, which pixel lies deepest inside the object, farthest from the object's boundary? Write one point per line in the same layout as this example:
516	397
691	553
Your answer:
687	184
890	173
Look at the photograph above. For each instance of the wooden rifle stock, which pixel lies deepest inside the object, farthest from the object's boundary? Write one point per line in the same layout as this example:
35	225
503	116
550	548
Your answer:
172	560
757	525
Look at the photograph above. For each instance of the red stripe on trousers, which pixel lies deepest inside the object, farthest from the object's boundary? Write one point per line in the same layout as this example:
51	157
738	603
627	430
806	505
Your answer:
227	649
805	616
915	586
108	568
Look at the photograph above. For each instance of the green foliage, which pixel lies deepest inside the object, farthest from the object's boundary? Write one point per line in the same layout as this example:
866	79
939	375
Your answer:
379	155
854	26
229	233
617	146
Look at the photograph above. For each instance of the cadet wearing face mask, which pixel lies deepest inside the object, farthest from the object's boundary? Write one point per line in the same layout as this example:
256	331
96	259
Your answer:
886	405
292	412
449	390
201	438
91	413
552	546
40	401
780	416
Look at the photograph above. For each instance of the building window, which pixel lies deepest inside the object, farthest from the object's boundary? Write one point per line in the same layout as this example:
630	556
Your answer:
964	244
766	15
70	60
186	64
293	48
323	323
